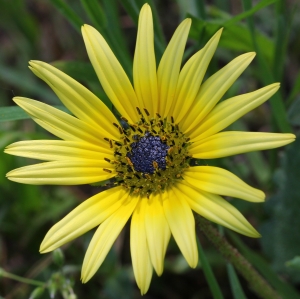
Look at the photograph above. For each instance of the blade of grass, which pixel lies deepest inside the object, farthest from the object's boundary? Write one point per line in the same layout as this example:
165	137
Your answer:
209	275
26	83
16	113
200	8
193	7
115	35
250	11
236	37
68	13
295	91
277	106
222	4
78	70
260	263
95	12
84	72
282	35
258	164
236	288
133	9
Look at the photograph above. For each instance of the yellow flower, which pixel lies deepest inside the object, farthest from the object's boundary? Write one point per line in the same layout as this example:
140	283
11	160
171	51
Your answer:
168	118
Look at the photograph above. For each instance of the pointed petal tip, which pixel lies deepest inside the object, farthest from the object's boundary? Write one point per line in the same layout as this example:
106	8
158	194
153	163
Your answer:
34	62
249	55
144	289
256	235
219	32
193	263
188	21
85	277
262	196
85	28
145	6
44	249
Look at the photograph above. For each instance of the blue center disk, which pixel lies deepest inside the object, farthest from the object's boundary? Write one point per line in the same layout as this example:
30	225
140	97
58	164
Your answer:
147	150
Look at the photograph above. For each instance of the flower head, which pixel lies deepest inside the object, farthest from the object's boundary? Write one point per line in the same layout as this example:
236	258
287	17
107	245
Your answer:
168	118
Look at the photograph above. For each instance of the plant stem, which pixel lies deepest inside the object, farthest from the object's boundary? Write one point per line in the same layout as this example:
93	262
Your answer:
21	279
258	284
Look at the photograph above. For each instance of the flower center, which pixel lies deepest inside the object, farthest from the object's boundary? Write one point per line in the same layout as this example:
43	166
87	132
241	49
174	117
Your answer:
151	156
147	151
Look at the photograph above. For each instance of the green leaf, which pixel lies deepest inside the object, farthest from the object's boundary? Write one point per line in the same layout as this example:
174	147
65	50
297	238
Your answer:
26	82
234	37
78	70
68	13
37	293
95	12
209	275
295	90
84	72
115	36
235	285
133	9
281	40
193	7
294	263
250	12
286	290
26	24
281	232
266	75
17	113
294	112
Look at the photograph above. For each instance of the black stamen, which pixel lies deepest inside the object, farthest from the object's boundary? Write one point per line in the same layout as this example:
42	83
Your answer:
138	110
146	111
132	128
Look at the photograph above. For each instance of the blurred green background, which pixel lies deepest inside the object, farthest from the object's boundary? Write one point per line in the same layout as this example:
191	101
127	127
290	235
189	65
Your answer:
49	30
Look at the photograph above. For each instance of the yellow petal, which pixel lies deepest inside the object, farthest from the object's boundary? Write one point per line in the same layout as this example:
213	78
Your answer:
83	218
78	99
231	143
220	181
158	232
191	76
110	73
182	225
68	172
54	150
169	67
144	65
214	88
214	208
105	236
141	262
60	123
225	113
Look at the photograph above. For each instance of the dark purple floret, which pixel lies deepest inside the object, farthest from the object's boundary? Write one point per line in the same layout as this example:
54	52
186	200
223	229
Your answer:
145	151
